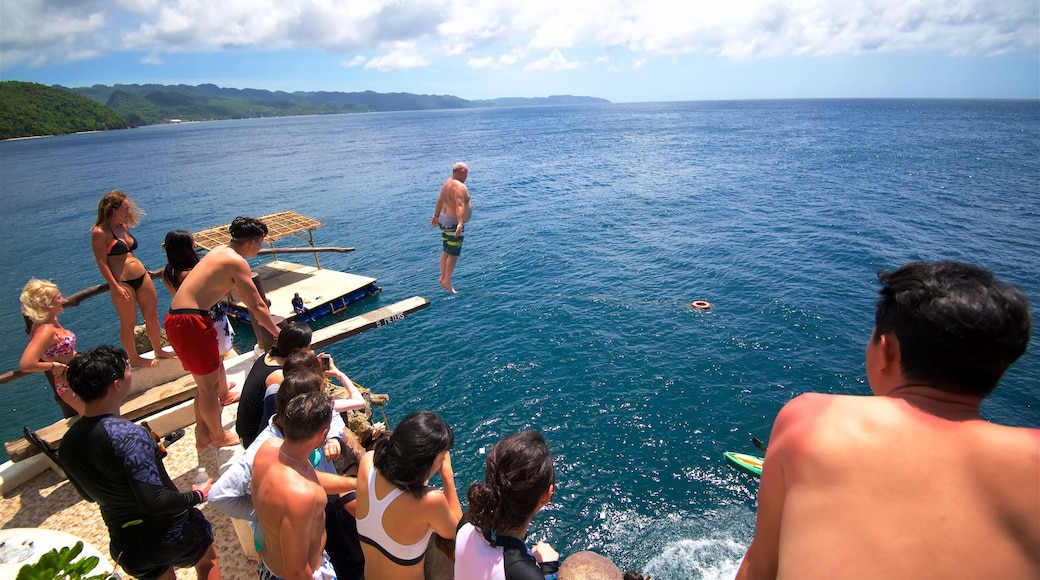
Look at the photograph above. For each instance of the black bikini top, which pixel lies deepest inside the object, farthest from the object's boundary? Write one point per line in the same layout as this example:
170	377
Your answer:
118	247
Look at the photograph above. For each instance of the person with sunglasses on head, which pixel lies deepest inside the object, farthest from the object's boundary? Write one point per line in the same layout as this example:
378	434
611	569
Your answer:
129	282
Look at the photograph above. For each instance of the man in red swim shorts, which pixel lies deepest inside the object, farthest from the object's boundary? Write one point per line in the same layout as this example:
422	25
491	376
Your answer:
190	328
197	356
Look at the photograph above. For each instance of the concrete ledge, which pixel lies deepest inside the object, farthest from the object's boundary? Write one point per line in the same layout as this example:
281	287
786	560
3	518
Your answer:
14	474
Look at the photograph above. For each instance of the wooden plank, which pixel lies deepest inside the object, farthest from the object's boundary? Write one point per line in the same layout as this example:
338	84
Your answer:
367	321
158	398
12	375
151	401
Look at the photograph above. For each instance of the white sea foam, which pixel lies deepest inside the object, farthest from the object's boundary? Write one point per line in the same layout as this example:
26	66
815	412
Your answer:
702	559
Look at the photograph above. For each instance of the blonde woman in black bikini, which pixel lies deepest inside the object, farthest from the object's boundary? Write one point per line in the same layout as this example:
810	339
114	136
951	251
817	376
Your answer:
51	346
128	280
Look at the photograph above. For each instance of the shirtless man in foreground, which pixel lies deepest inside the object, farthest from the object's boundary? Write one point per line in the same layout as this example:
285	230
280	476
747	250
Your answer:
912	482
289	501
451	213
190	328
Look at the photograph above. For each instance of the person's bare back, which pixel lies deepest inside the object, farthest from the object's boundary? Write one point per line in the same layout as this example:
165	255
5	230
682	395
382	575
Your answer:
902	487
289	501
460	206
211	279
290	508
221	270
911	482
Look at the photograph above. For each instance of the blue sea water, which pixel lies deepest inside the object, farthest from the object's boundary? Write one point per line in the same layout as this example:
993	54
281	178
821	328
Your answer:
594	227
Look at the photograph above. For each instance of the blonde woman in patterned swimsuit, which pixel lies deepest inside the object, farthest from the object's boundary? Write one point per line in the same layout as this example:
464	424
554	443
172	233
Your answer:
51	346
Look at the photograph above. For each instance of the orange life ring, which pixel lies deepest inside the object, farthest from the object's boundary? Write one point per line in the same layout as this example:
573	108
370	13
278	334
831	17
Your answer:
701	305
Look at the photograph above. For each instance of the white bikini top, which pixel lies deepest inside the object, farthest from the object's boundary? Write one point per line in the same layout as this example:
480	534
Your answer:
371	531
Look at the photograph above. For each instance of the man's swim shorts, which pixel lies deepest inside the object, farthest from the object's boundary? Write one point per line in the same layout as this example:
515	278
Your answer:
194	339
150	556
449	243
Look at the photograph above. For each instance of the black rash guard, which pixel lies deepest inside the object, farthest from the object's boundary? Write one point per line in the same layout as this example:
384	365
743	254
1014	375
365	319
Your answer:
519	564
119	465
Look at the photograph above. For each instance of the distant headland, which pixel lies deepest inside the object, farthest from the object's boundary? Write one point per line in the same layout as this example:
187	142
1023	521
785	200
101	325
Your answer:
32	109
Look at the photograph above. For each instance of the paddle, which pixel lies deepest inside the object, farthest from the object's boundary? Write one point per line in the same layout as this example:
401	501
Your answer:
759	444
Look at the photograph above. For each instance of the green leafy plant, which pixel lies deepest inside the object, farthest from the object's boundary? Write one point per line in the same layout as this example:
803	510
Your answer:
59	565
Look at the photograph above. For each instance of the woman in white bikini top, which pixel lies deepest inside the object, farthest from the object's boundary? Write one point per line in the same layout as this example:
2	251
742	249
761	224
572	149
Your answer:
397	511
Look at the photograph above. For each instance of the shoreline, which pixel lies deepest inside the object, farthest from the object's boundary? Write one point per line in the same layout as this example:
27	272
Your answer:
59	135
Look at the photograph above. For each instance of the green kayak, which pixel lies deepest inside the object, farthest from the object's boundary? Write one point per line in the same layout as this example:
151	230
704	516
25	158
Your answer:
747	463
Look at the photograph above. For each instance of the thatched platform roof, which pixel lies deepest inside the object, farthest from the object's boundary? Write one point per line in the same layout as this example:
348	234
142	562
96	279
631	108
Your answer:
279	225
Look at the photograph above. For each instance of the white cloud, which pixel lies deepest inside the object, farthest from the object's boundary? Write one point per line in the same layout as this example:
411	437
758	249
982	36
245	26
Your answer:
503	61
483	62
639	63
43	31
356	61
512	57
403	57
33	27
555	61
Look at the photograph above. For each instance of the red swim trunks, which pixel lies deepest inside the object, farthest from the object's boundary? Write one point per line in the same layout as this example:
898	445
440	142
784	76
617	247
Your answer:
194	339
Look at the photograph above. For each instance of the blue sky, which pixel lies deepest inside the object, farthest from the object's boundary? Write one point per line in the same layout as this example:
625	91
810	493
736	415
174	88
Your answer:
621	50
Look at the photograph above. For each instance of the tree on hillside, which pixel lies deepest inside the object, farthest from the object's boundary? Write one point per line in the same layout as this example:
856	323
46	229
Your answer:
32	109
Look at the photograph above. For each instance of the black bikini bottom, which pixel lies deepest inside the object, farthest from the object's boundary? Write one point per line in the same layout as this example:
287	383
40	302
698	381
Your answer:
135	283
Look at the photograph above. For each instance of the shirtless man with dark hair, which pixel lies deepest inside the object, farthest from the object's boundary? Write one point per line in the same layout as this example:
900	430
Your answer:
289	500
190	328
454	208
912	482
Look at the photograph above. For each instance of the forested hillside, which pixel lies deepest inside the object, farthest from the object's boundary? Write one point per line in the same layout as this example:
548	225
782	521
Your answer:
160	104
31	109
149	104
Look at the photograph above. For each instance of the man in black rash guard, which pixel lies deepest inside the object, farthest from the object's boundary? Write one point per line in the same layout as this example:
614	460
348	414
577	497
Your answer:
152	526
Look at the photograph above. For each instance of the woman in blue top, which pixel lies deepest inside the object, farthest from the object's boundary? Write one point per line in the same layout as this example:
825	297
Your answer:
519	478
